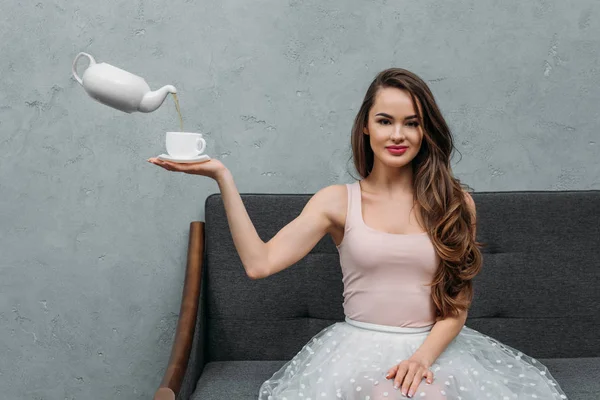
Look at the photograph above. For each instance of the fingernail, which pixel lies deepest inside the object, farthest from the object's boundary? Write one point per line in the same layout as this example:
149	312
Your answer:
395	386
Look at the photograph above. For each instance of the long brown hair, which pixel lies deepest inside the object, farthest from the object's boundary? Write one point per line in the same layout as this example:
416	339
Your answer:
442	202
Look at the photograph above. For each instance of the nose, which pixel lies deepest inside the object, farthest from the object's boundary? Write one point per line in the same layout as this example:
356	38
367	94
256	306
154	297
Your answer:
398	133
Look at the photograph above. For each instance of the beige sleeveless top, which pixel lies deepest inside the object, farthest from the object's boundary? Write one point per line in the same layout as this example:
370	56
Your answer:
384	273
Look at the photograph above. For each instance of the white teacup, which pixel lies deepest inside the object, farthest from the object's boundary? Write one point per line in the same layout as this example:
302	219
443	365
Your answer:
185	144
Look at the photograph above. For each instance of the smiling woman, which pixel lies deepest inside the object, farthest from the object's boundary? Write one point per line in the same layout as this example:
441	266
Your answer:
406	237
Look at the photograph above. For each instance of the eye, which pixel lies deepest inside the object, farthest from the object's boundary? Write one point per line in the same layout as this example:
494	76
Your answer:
413	124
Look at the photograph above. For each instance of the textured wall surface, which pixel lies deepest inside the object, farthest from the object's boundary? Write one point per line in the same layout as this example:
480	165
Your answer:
93	238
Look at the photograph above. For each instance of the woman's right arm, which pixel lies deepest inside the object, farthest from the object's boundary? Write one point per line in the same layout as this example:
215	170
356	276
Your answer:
291	243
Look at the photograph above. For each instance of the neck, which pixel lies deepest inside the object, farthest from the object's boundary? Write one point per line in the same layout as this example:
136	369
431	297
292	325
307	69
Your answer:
391	181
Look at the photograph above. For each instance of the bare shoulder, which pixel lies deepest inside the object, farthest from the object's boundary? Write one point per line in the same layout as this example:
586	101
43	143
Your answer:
332	197
333	201
470	202
472	210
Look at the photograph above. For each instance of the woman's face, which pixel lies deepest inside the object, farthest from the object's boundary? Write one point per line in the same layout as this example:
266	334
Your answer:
393	122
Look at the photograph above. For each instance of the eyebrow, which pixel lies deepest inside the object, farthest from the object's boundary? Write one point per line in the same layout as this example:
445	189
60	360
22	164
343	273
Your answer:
389	116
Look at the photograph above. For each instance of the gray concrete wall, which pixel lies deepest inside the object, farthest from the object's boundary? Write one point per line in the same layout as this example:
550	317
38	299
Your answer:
93	238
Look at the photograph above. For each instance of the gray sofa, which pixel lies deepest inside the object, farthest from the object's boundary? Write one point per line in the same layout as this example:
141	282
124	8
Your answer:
539	291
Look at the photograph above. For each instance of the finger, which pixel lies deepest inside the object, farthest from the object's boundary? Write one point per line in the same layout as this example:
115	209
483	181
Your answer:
170	166
415	383
391	371
429	377
402	370
408	380
157	161
175	164
181	167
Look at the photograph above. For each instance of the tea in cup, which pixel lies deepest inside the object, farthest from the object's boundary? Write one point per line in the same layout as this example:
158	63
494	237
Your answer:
185	144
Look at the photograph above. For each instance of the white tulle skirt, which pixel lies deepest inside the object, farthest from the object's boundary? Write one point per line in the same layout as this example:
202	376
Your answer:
349	360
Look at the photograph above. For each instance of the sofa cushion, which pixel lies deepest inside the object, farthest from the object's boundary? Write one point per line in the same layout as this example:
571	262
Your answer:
537	290
241	379
233	380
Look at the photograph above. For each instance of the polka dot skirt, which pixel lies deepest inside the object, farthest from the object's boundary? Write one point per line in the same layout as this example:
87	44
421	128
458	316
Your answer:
344	361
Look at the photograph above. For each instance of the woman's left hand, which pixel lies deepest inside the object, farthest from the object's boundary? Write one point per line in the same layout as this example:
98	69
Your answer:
409	374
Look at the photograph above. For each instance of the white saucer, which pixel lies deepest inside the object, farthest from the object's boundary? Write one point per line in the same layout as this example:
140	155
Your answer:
200	158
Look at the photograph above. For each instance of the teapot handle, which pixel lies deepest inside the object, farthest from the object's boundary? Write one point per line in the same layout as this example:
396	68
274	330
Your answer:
92	62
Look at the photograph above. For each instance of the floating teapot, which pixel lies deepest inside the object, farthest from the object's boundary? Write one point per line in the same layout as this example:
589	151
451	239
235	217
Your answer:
118	88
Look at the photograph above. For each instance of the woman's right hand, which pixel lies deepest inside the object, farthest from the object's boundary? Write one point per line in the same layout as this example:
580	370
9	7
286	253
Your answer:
212	168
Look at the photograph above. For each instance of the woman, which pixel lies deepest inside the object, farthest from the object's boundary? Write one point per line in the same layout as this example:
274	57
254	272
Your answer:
406	238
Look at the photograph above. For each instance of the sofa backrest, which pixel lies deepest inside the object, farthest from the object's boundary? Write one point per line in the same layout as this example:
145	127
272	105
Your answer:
538	291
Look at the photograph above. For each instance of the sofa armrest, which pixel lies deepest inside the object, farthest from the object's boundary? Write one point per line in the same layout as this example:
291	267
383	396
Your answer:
186	325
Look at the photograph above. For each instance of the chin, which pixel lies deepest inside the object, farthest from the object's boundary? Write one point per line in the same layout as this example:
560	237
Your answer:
392	160
396	163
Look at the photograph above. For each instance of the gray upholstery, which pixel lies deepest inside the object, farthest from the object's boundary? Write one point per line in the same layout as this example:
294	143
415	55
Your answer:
538	291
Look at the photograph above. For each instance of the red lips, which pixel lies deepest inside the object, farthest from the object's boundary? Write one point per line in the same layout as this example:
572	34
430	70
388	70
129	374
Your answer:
397	150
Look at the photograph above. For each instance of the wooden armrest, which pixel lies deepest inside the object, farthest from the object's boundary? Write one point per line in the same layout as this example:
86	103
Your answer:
184	335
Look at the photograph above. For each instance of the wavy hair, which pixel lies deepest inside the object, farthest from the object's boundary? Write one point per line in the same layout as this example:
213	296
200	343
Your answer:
441	197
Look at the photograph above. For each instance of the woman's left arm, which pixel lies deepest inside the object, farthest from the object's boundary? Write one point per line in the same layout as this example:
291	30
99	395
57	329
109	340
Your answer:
444	331
441	335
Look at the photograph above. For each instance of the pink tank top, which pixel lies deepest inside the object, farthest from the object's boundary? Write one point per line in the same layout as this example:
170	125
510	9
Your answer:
384	273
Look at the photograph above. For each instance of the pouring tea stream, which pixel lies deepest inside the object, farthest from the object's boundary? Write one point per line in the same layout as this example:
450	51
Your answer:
127	92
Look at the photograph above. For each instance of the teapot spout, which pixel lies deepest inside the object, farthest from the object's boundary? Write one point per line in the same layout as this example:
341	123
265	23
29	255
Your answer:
152	100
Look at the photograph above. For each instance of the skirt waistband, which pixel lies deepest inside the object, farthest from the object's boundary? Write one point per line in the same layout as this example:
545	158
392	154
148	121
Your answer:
388	328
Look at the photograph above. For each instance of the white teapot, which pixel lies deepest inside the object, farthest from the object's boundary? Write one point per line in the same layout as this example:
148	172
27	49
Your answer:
118	88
